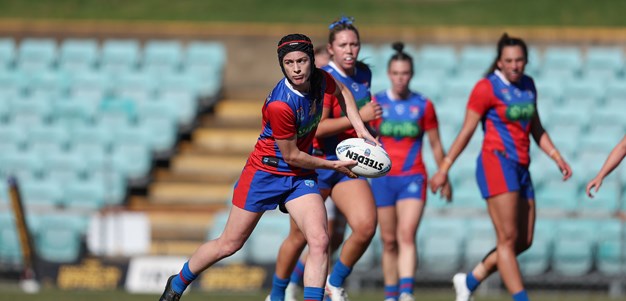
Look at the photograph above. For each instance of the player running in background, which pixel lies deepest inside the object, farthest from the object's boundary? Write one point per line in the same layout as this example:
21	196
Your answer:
505	103
353	197
401	194
280	170
615	157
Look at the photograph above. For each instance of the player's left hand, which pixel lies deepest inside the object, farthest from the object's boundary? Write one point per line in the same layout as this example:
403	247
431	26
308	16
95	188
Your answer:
565	169
446	191
595	183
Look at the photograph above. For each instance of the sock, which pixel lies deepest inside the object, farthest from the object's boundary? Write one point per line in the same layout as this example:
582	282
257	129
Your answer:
313	293
185	277
520	296
339	274
406	285
391	292
471	282
278	288
298	273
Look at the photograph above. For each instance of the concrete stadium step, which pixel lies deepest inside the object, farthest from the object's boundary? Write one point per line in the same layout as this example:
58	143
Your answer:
238	108
172	225
166	175
174	247
195	164
190	193
145	204
226	140
217	122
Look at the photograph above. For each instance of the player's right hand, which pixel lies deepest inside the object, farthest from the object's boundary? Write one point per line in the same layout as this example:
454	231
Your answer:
596	182
344	168
437	181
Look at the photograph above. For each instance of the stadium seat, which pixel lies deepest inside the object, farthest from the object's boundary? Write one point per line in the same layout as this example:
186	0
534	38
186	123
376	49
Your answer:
243	255
370	54
41	194
205	53
12	135
267	237
573	247
12	85
536	260
583	94
113	182
22	163
64	166
557	197
84	195
31	111
137	87
437	60
72	112
46	138
549	88
7	53
185	105
162	132
475	60
458	89
131	159
116	113
162	56
36	55
605	202
603	62
90	86
440	254
59	237
427	86
78	55
561	61
10	250
119	55
610	258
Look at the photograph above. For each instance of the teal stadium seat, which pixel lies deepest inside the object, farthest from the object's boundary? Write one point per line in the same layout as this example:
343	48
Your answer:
63	165
41	194
215	230
474	61
555	197
205	61
131	159
536	260
549	90
162	56
584	94
604	62
44	139
136	86
184	104
119	56
10	250
481	238
427	86
441	245
438	61
162	132
610	258
12	136
562	62
371	55
535	60
22	163
31	111
574	245
115	113
36	55
90	86
458	89
78	55
113	182
59	237
605	203
7	53
12	85
267	237
84	195
73	112
48	84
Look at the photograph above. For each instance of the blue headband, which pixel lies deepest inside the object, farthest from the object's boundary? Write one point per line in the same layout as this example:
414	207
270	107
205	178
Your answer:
343	21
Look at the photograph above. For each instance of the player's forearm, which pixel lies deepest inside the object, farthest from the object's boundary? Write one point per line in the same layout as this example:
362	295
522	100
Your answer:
614	159
306	161
332	126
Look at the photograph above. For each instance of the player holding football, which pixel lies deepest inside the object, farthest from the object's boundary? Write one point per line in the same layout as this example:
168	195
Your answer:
280	170
401	194
505	103
353	197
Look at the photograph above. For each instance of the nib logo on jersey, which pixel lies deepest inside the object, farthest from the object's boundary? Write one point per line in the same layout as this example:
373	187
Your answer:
362	159
399	129
520	112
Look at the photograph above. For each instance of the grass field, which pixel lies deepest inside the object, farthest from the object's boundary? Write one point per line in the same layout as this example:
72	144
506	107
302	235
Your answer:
439	295
384	12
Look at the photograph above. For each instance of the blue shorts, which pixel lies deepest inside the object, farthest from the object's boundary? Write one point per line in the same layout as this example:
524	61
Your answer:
389	189
328	178
259	191
497	174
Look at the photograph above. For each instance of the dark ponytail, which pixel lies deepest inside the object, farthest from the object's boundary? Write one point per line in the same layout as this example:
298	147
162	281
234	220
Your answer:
400	55
505	41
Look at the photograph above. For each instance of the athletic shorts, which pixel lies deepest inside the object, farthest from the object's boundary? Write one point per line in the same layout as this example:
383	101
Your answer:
389	189
328	178
259	191
497	174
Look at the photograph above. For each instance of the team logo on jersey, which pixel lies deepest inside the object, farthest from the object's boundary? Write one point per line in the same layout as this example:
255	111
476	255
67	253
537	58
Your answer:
414	111
400	109
399	129
412	187
506	94
309	183
385	111
520	112
355	87
517	92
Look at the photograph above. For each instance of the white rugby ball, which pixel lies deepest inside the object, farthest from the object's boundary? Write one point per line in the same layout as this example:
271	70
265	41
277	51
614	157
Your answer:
372	160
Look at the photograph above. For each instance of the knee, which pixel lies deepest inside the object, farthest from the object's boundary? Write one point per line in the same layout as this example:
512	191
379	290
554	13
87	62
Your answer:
522	246
508	241
406	236
318	243
228	248
364	230
296	238
390	243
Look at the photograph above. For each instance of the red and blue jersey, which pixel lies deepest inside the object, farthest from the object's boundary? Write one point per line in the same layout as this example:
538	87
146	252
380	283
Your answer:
507	110
401	130
288	113
359	86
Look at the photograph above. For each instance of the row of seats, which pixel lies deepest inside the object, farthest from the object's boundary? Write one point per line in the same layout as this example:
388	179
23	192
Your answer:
110	55
568	247
441	61
58	236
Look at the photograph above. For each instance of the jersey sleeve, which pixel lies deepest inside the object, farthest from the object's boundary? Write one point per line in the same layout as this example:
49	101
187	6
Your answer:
331	85
281	119
481	98
430	117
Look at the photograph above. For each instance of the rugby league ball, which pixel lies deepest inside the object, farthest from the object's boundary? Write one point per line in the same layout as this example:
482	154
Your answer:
372	160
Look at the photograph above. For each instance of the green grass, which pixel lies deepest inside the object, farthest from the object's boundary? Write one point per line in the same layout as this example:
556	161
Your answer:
381	12
439	295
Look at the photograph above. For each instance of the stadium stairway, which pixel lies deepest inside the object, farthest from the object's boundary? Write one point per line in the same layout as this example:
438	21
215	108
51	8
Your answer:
183	197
